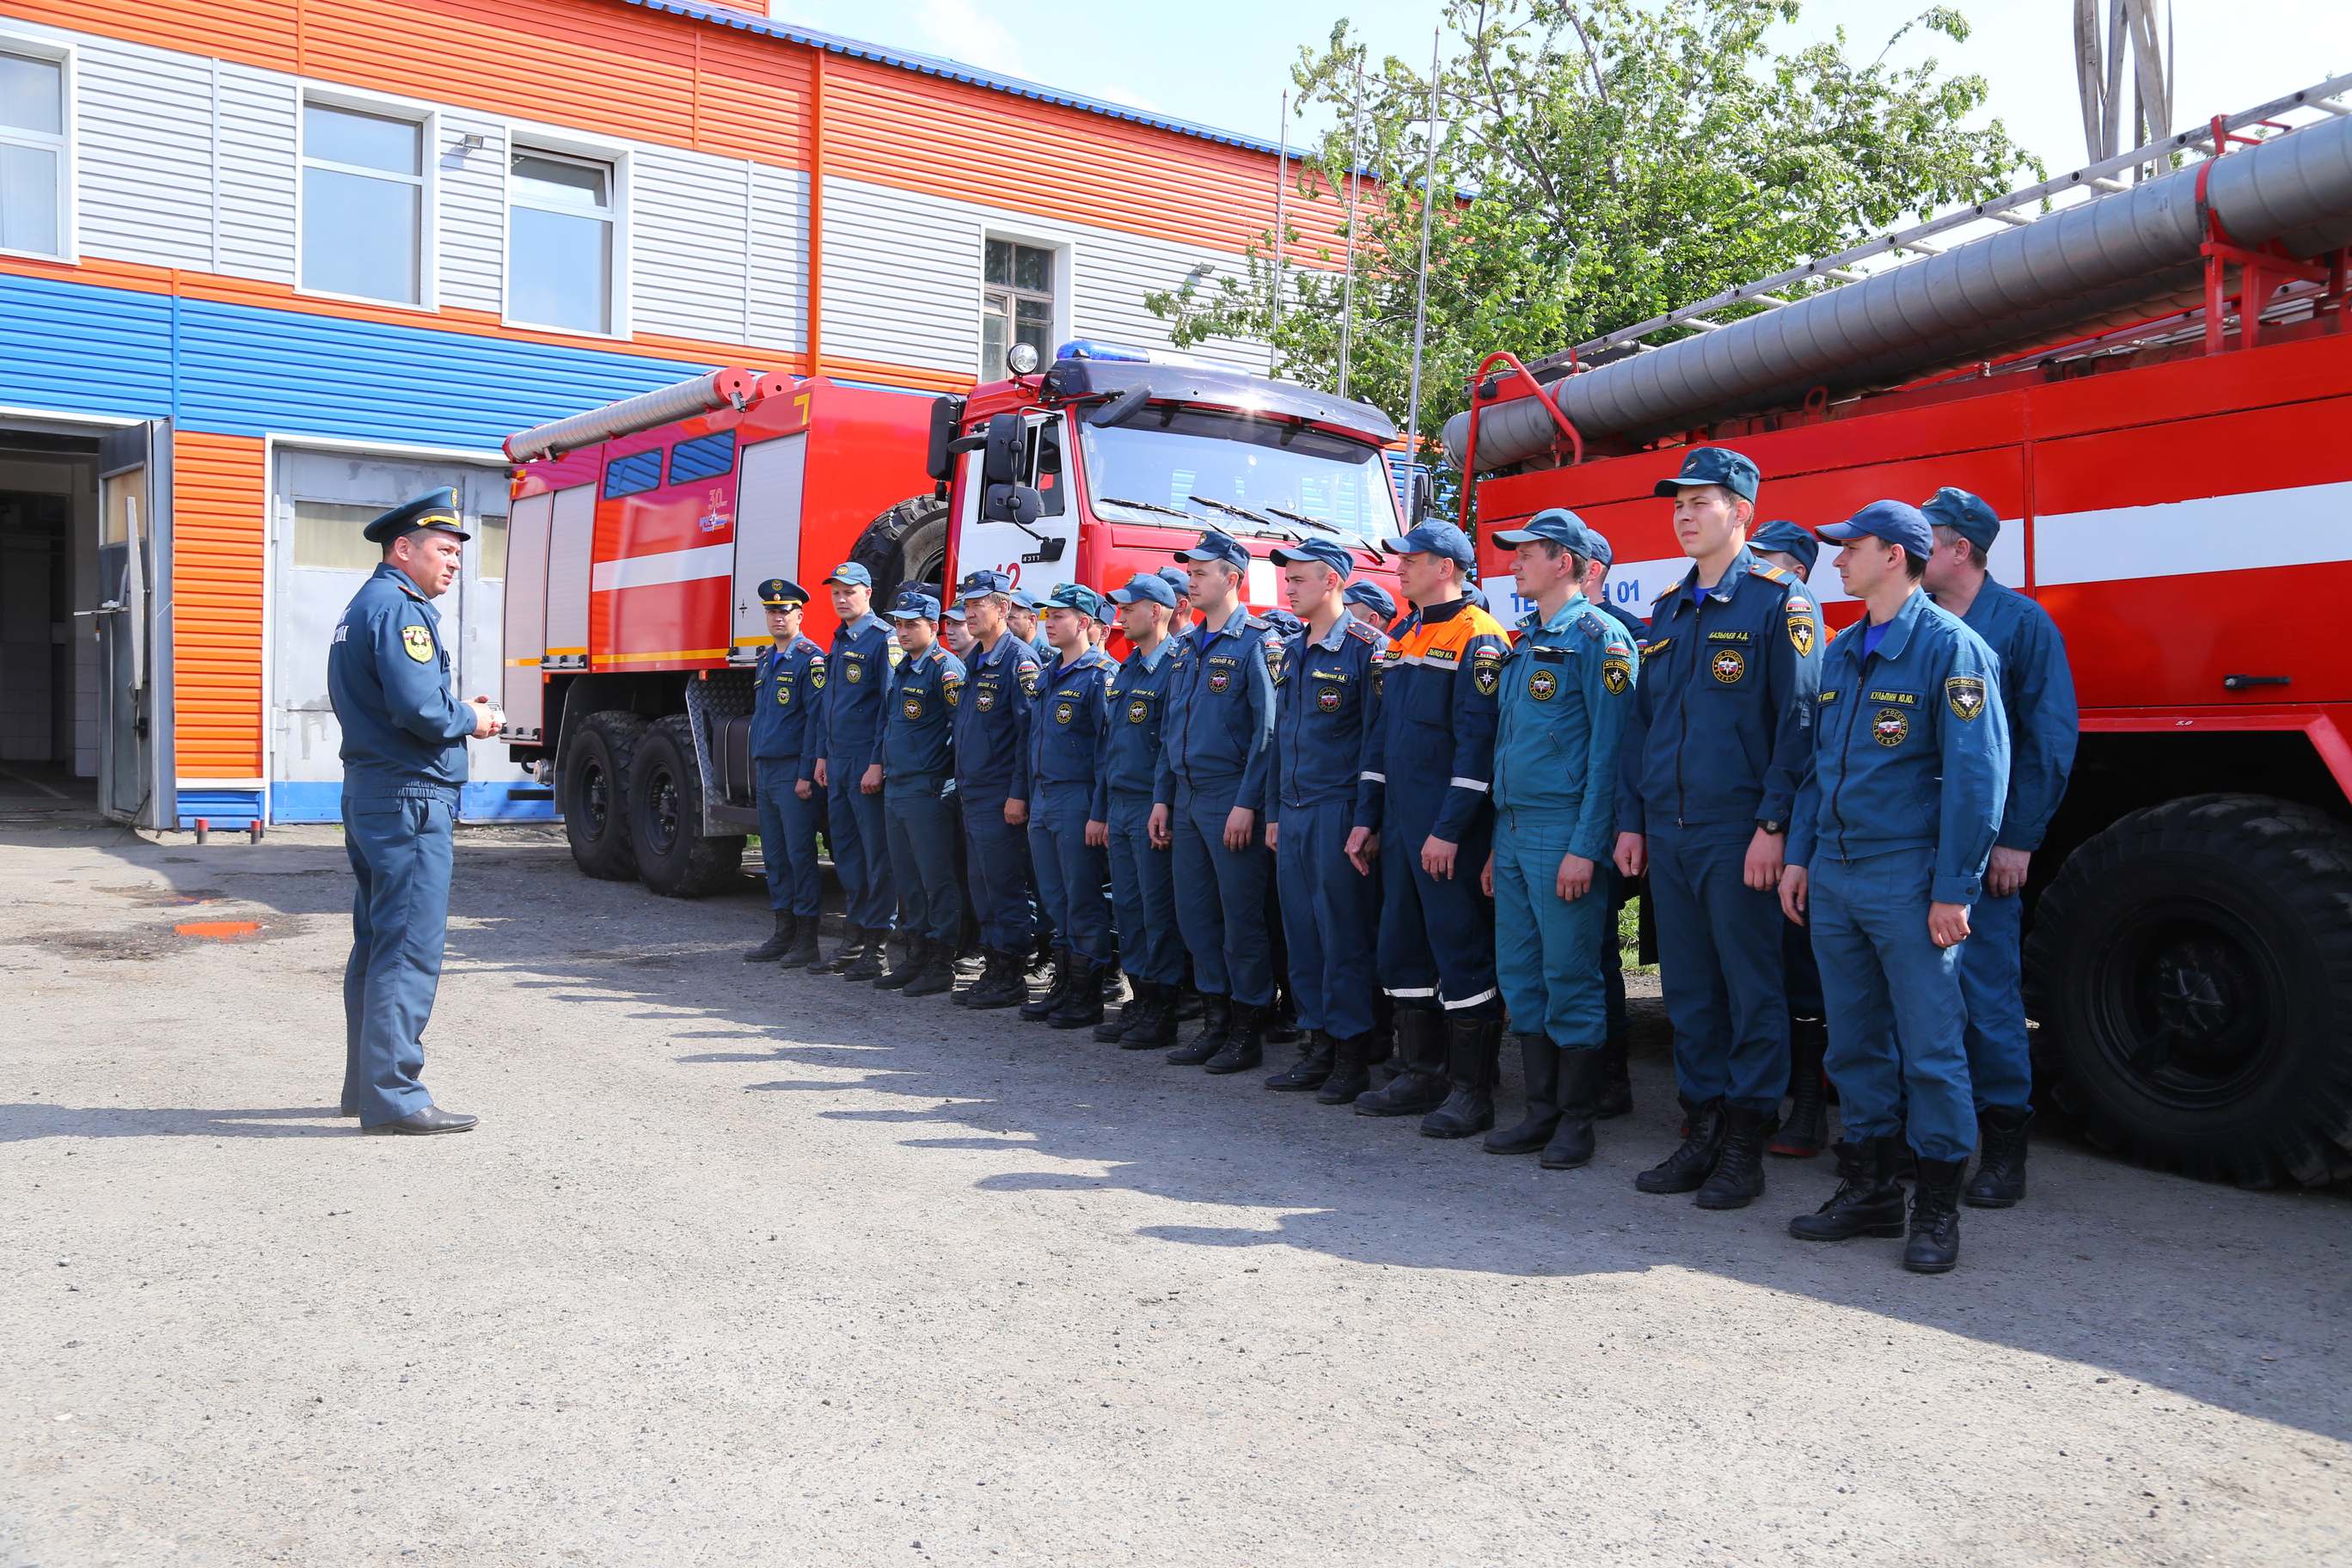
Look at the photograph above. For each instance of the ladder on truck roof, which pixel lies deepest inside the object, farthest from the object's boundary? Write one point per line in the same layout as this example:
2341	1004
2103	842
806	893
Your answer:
2328	98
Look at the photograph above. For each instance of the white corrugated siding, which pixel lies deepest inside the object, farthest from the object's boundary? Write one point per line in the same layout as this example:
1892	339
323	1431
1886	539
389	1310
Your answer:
258	183
688	231
473	211
779	257
145	155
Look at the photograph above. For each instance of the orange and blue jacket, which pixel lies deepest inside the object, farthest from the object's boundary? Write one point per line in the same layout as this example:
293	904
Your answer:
1431	765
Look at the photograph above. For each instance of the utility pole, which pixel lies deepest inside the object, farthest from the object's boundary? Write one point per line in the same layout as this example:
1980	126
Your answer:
1421	294
1281	236
1355	199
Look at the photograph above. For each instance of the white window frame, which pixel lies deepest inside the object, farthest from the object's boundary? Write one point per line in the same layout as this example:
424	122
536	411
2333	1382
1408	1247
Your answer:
66	59
427	118
1066	285
530	137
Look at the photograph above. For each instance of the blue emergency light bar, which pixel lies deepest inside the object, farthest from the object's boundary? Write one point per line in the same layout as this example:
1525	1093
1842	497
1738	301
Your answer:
1090	348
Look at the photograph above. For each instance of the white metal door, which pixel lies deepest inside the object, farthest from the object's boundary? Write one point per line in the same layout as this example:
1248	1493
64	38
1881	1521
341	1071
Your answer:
522	689
571	538
134	563
766	532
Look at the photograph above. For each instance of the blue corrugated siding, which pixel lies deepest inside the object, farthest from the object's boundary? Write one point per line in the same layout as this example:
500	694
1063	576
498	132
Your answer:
99	350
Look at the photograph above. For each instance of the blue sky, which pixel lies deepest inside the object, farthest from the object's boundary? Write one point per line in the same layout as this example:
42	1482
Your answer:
1225	62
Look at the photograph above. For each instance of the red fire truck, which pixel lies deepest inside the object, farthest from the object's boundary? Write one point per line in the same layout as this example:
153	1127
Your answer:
2152	383
640	532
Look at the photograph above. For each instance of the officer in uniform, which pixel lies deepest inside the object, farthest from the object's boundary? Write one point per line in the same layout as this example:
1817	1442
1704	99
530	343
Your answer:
1026	608
784	685
1897	818
914	763
955	631
857	670
1371	604
404	751
1325	712
1431	766
1207	802
1149	946
1786	545
1711	759
1616	1092
1568	685
2037	692
991	753
1067	728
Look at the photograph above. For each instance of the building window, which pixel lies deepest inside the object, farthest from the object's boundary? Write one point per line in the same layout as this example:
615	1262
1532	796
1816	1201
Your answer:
31	155
363	204
490	542
560	241
1016	304
332	535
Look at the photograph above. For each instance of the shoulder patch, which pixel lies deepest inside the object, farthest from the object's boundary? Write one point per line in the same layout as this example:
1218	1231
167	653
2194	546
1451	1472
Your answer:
418	643
1029	678
1965	694
1765	569
1487	670
1591	626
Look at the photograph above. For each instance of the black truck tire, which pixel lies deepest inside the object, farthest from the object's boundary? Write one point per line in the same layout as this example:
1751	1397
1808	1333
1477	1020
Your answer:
2191	971
592	792
665	817
905	546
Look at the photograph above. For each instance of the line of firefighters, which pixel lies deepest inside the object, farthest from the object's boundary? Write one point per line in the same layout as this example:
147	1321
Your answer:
1391	842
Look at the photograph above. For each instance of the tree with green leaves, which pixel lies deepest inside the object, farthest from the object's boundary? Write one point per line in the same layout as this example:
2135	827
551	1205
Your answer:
1601	161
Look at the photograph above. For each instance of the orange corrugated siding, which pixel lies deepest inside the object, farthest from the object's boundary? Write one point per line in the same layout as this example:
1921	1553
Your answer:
218	512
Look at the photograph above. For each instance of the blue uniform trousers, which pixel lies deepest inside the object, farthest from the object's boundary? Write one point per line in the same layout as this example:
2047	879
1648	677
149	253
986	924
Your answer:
1800	975
1547	950
1992	981
1720	967
1221	902
1330	919
861	845
920	814
401	848
1437	937
788	828
1069	873
1897	1020
1613	961
1000	873
1143	891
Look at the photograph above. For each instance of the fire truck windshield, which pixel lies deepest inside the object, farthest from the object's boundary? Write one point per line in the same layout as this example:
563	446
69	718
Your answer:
1179	457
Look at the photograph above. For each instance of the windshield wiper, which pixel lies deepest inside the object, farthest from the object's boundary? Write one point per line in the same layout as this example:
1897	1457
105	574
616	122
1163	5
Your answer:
1152	506
1288	515
1245	513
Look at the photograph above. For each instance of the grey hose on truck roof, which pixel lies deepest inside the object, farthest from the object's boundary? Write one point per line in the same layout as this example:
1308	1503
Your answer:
2102	264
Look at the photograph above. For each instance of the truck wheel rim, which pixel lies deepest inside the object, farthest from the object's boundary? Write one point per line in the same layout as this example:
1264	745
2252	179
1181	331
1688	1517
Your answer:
595	798
661	803
2187	993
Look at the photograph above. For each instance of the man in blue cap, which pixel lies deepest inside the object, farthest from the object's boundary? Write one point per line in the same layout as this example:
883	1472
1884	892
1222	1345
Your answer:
1325	712
915	756
857	666
1370	603
784	685
403	750
1067	728
1721	725
1897	818
1786	545
1179	583
1615	1095
991	751
2037	690
1027	609
1207	803
1567	686
1150	947
1432	766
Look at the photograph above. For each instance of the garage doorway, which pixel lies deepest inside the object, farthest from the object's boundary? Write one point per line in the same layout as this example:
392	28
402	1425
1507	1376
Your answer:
51	710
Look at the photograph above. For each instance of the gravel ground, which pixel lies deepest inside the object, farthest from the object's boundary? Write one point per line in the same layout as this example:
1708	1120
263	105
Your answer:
744	1267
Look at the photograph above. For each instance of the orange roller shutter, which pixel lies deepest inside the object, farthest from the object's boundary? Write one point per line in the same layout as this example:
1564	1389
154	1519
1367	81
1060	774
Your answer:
218	539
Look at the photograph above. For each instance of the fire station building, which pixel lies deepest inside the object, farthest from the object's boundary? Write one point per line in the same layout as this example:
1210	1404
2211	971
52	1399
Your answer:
268	266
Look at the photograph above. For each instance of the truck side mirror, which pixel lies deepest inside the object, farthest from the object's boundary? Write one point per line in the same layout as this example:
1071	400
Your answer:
1017	504
1008	436
1424	494
939	460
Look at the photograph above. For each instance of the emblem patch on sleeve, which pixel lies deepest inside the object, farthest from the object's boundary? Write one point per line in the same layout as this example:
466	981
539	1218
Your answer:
1965	694
1890	727
1486	671
418	643
1274	662
1029	679
816	675
1801	634
1728	666
952	688
1617	674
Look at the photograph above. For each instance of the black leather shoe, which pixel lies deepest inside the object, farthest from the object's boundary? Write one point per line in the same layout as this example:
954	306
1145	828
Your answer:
1420	1086
1868	1200
1311	1070
1351	1071
1245	1044
1737	1179
1115	1025
1807	1126
1188	1003
1472	1066
868	965
852	946
1539	1058
432	1119
1003	984
937	976
1155	1028
1935	1243
1579	1088
1684	1169
1216	1020
2001	1170
779	942
1616	1094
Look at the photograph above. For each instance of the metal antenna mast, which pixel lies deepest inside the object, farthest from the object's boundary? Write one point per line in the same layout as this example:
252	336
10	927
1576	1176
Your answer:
1355	200
2129	28
1281	236
1421	297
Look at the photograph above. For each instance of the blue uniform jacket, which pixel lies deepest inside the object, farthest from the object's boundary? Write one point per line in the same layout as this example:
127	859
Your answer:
1911	751
786	684
388	679
1066	726
917	738
2037	689
1724	715
1435	739
991	729
857	670
1218	722
1137	691
1325	712
1568	690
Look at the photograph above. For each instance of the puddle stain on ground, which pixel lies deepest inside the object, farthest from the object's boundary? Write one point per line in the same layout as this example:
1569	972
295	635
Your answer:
152	896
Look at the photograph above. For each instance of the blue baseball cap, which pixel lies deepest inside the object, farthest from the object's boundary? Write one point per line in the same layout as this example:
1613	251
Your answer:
1556	524
953	613
914	605
1216	546
1434	538
1177	582
1365	591
1714	465
1597	546
981	584
1788	539
1284	623
436	510
850	574
1328	551
1897	522
1076	597
782	594
1964	513
1149	586
1024	599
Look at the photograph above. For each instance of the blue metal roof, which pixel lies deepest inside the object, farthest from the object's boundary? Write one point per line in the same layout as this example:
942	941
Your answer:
953	70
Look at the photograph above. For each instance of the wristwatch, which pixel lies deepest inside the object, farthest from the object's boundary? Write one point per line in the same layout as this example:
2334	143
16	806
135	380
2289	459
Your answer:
1774	829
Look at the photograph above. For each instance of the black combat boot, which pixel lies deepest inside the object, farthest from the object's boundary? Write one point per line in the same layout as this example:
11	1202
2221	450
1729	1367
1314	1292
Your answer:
1684	1169
1057	992
1868	1200
1115	1025
1806	1125
1082	1000
2000	1169
914	952
1311	1070
801	955
1935	1243
1216	1020
1472	1063
1615	1096
777	943
1244	1041
872	958
1282	1019
852	949
1351	1070
1580	1089
1154	1029
1419	1085
1540	1059
937	973
1188	1003
1003	984
1737	1179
